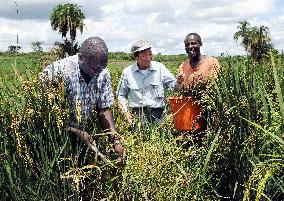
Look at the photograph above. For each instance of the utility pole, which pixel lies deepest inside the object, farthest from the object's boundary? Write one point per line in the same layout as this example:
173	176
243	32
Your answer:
18	24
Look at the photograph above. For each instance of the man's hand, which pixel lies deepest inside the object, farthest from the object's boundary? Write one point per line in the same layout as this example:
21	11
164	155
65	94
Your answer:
180	81
180	78
84	136
119	148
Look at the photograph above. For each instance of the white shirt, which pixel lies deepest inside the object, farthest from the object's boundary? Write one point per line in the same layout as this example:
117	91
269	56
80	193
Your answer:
144	90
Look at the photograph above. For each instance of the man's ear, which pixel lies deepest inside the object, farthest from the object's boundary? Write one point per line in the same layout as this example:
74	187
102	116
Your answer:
80	59
80	56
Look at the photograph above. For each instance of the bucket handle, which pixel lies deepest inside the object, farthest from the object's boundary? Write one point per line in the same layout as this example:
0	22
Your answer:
179	109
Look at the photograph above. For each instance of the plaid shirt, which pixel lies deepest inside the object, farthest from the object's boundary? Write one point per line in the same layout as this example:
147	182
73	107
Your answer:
85	97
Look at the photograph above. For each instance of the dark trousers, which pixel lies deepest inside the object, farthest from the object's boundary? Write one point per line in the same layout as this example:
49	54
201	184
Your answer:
149	114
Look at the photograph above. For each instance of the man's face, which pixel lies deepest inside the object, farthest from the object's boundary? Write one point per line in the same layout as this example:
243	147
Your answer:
192	46
90	65
144	58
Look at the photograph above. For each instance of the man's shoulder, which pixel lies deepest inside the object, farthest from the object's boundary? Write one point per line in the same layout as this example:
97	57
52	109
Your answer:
212	60
67	62
130	68
104	72
184	64
156	64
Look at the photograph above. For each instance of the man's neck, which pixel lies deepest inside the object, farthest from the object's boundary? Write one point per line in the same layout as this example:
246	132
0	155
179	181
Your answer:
86	77
142	67
195	61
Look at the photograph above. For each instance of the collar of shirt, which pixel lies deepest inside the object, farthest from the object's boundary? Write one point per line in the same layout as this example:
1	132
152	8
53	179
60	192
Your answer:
136	68
82	79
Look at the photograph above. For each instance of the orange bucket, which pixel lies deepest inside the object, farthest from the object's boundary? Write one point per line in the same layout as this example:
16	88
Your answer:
185	111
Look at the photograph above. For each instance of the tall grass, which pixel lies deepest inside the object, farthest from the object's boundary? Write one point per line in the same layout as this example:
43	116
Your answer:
241	157
244	104
32	140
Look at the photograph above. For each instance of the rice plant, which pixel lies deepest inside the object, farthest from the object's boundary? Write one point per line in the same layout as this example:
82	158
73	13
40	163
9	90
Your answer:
247	98
241	156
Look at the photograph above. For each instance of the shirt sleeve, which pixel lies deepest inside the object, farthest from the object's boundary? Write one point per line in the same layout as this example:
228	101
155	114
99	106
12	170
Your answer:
122	91
105	94
50	72
215	71
180	69
168	78
179	86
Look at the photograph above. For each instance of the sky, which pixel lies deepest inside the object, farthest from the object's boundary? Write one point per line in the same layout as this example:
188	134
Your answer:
164	23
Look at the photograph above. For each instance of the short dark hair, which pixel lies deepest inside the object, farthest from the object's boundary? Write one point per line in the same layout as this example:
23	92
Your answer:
193	34
95	47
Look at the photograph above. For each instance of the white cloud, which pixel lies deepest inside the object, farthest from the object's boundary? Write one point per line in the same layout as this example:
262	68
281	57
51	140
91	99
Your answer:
165	23
277	31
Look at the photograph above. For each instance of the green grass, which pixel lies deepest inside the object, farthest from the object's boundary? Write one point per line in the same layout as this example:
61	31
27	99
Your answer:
241	157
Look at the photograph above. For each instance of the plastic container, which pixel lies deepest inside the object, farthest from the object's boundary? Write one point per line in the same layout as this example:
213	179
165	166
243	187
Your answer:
185	112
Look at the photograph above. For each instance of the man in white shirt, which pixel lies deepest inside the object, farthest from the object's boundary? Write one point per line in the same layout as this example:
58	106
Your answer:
141	86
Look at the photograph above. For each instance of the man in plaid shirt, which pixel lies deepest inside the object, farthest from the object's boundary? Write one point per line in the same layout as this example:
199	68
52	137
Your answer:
87	84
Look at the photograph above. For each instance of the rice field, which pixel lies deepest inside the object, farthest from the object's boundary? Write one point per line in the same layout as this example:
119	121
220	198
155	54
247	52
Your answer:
240	156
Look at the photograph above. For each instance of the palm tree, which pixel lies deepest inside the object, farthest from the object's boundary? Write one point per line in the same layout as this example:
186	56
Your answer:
256	40
67	18
243	33
261	42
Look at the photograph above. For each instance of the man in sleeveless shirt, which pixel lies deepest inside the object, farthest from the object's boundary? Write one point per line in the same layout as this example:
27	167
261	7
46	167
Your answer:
197	69
195	73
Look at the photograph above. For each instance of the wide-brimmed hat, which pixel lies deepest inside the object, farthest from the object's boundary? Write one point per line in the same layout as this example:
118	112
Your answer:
140	45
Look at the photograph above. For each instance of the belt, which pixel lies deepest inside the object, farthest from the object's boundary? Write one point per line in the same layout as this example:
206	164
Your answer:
147	108
151	114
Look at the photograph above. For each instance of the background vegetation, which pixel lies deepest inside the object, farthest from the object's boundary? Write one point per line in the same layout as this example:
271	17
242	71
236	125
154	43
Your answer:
241	157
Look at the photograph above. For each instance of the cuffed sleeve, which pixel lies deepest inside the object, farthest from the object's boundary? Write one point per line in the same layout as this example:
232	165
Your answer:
168	78
105	94
122	92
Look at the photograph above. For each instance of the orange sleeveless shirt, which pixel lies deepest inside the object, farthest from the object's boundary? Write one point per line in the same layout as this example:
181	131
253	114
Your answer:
208	69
